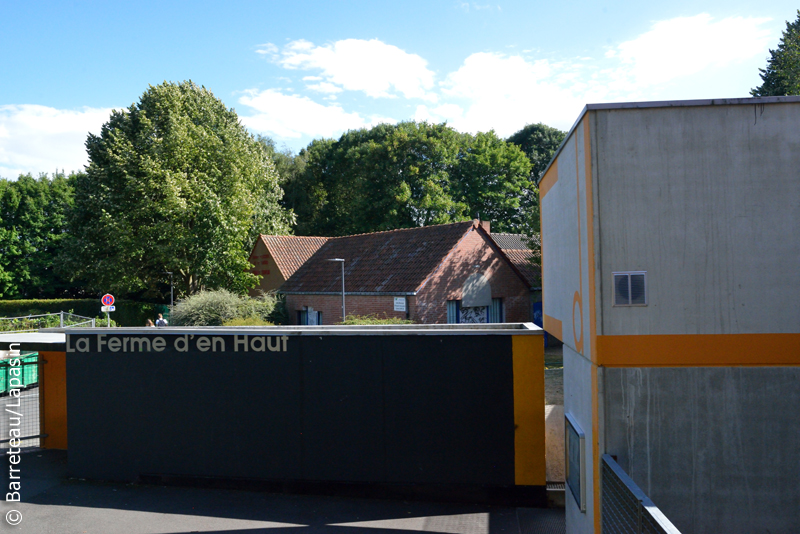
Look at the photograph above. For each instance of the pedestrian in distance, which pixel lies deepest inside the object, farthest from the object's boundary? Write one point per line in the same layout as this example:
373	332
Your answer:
149	323
161	321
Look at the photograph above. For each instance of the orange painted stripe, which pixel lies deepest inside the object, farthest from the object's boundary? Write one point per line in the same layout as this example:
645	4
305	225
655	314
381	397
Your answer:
699	350
529	429
553	327
595	449
548	181
53	399
592	318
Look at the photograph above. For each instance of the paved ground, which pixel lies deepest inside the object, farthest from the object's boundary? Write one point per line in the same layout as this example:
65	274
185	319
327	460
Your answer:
52	503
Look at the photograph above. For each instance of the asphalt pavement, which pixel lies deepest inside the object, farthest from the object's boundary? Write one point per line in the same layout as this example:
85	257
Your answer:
53	503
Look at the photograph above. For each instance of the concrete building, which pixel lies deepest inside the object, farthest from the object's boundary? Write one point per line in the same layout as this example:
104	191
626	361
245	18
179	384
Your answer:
671	272
449	273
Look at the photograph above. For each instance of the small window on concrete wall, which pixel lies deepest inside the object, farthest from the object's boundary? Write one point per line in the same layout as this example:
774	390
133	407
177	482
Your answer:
630	288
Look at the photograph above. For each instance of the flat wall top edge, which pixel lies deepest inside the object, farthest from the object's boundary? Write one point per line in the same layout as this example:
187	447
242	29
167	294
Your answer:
610	106
347	330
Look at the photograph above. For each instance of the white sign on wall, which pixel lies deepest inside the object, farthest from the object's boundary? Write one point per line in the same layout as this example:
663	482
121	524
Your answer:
400	304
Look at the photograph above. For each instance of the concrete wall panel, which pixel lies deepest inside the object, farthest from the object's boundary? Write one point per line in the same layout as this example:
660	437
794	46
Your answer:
717	449
578	402
707	201
564	246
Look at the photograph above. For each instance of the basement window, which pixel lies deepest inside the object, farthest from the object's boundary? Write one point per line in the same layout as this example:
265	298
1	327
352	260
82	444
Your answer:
630	288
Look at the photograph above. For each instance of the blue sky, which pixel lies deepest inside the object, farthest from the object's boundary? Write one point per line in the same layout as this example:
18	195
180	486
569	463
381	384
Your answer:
301	70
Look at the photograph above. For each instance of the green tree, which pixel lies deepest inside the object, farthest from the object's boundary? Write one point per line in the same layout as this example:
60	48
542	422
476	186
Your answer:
405	175
382	178
174	183
782	75
491	178
539	142
33	217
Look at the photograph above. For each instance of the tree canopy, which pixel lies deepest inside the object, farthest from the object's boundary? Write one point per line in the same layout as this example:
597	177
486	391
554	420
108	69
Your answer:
539	142
174	183
33	215
782	75
406	175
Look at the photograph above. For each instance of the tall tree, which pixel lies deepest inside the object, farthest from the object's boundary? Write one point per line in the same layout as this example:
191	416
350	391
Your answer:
174	183
782	75
539	142
405	175
491	179
33	215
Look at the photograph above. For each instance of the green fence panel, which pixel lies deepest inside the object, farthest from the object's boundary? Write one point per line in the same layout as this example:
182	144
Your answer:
30	371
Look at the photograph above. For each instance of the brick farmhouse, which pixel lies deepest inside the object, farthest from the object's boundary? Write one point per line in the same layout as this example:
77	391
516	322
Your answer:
446	273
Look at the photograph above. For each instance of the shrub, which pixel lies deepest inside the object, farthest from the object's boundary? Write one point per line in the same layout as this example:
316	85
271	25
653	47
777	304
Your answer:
216	308
247	321
374	319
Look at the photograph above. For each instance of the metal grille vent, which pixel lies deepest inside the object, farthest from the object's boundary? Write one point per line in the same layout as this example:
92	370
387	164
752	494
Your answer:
630	288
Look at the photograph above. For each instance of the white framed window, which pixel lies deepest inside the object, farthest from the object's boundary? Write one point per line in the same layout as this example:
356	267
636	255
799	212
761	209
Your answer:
630	288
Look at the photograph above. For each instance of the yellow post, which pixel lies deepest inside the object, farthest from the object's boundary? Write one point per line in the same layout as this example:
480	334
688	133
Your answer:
529	446
53	399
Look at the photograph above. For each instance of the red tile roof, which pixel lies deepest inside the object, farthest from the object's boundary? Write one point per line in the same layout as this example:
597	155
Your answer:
291	251
397	261
521	260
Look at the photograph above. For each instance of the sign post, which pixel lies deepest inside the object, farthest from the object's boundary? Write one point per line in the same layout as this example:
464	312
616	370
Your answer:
108	306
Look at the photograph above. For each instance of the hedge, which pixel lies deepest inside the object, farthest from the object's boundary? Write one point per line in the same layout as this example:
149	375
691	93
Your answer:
128	312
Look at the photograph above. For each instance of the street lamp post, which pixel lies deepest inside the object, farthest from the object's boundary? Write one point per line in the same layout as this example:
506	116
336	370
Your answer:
341	260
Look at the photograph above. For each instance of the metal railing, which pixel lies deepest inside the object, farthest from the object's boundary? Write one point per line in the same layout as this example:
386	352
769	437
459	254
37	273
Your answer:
20	408
32	323
625	507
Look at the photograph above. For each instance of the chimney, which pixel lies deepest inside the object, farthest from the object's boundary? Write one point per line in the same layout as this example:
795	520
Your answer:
486	225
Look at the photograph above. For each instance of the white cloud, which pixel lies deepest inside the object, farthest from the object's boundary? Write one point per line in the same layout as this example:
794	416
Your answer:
267	49
38	139
378	69
325	87
292	116
684	46
505	92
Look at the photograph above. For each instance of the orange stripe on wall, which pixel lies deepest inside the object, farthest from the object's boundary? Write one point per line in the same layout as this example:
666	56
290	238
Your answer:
529	430
553	327
590	260
548	181
53	399
595	449
699	350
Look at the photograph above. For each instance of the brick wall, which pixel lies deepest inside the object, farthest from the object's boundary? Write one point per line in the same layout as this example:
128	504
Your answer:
264	265
331	306
473	254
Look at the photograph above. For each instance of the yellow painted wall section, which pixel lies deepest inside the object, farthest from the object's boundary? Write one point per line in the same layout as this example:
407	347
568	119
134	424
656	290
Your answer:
529	449
548	180
553	327
699	350
53	399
